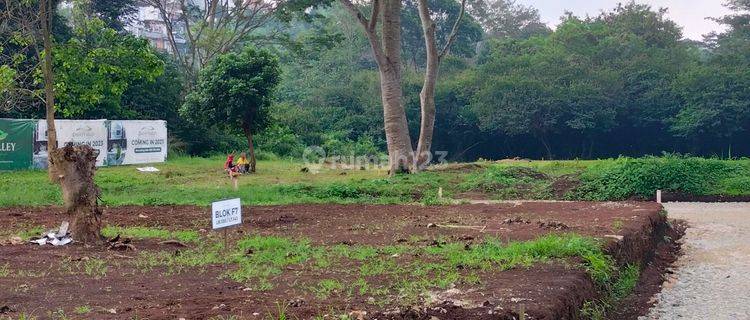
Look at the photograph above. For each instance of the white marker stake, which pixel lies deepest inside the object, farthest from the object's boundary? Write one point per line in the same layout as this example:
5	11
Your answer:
658	196
440	193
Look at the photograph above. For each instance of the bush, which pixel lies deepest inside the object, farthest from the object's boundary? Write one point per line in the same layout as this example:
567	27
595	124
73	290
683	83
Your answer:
626	178
280	141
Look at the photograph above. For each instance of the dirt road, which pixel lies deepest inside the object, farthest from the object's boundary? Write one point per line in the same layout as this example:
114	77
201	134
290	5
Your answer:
712	278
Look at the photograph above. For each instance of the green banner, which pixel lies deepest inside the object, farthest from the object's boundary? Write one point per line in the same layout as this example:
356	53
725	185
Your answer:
16	143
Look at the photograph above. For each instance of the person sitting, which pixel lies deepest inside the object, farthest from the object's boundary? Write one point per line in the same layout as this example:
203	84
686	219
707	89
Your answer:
229	165
243	164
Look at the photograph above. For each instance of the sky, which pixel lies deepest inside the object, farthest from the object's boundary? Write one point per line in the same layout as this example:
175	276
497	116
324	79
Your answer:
690	14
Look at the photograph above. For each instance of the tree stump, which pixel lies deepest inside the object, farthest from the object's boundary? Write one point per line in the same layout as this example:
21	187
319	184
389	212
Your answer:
73	167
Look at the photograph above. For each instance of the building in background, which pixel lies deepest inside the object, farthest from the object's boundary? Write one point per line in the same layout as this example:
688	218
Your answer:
148	23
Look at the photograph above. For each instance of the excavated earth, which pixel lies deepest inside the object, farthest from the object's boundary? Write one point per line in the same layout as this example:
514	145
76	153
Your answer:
37	281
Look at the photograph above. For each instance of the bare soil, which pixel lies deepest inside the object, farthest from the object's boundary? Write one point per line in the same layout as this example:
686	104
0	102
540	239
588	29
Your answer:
39	283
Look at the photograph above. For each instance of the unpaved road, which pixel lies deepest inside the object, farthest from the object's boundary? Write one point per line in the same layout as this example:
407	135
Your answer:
712	278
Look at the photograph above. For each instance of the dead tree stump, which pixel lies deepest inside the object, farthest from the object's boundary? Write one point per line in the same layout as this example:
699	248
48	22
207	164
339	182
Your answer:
73	167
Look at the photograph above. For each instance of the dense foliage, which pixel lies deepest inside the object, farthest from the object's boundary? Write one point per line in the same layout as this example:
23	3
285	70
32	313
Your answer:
622	83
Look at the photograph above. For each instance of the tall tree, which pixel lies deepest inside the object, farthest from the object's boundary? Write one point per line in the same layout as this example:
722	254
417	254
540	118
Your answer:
386	48
200	32
115	13
427	95
507	19
234	92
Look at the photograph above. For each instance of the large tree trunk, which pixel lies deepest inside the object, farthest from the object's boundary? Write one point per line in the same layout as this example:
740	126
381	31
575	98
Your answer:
74	168
400	150
251	148
427	95
387	53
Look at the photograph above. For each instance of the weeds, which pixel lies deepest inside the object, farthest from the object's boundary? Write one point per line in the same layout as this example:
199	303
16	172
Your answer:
82	310
94	267
4	270
614	293
326	287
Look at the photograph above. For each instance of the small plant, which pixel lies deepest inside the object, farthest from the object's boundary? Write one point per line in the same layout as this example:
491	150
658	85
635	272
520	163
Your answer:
94	267
26	316
617	225
82	309
280	313
5	270
362	285
327	287
59	314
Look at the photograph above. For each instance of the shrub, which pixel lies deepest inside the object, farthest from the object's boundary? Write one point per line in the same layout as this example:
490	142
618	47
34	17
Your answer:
625	178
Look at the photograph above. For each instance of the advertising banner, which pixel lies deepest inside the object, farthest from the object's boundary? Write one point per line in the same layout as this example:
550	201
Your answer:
137	141
78	132
16	139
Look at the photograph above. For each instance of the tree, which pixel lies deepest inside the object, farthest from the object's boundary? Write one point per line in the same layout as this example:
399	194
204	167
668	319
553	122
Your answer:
507	19
716	94
386	49
446	12
115	13
72	167
27	26
198	33
234	92
98	65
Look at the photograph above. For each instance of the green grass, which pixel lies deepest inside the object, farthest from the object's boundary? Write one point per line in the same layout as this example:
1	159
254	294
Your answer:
200	181
82	310
405	271
614	292
151	233
4	270
326	287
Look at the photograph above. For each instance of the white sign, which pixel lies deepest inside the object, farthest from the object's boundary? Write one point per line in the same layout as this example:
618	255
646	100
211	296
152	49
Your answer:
77	132
226	213
137	141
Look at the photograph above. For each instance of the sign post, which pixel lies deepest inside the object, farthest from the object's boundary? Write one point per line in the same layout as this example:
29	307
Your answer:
225	214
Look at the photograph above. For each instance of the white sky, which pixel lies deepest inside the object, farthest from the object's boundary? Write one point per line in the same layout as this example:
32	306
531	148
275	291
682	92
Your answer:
690	14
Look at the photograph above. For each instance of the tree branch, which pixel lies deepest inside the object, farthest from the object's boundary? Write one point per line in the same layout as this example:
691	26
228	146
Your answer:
372	37
454	31
356	13
374	16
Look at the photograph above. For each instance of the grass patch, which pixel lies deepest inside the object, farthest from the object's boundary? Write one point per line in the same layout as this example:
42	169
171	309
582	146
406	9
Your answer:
199	181
493	253
4	270
510	182
326	287
151	233
82	310
615	292
259	257
624	178
95	267
409	270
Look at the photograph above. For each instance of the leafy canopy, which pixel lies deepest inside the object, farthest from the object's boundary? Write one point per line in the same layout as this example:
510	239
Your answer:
234	91
95	67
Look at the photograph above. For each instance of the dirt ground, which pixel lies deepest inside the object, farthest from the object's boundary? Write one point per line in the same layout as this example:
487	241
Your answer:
41	284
